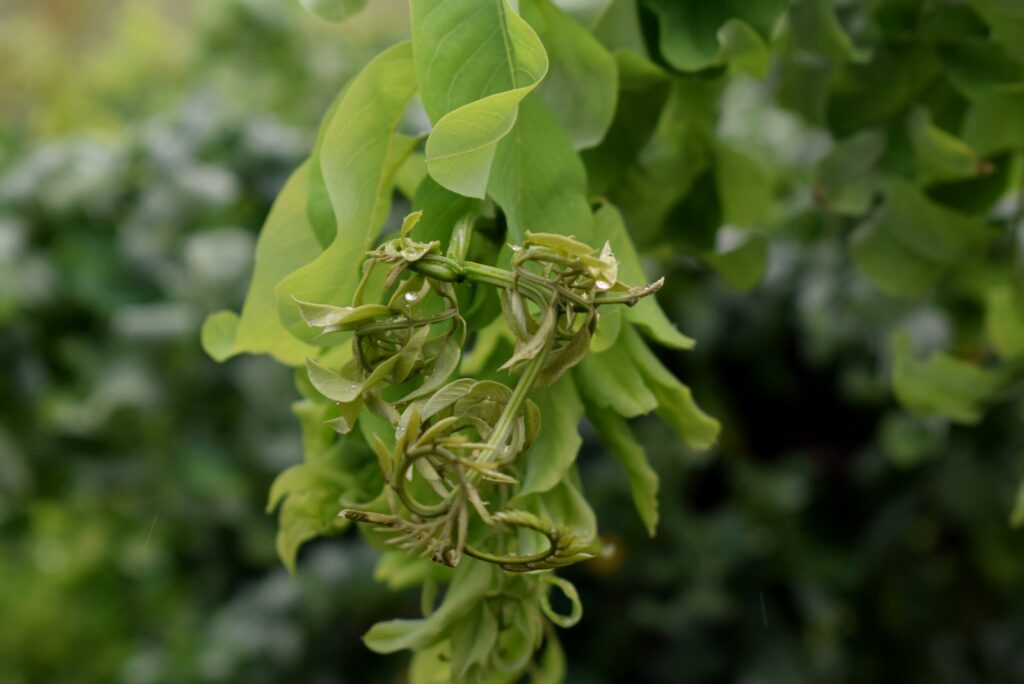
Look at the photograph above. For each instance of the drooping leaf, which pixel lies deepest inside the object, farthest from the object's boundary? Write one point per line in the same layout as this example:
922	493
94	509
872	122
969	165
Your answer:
675	401
611	380
643	481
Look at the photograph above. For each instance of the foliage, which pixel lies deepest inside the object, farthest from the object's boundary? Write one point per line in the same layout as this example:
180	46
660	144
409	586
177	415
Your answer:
890	122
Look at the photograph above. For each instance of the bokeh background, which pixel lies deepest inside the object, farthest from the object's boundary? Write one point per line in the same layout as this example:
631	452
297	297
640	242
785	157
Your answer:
829	539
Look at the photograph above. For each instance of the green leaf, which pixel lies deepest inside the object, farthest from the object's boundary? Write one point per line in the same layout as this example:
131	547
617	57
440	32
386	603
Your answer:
992	124
471	580
675	401
1006	19
473	639
643	481
475	61
741	258
647	314
360	155
554	451
844	183
552	663
746	189
981	68
618	26
644	88
1017	516
942	385
941	156
582	80
286	243
334	10
538	179
812	25
1004	321
695	35
911	242
312	494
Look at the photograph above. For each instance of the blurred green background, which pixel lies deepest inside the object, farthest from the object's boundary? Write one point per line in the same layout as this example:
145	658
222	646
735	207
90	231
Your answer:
831	538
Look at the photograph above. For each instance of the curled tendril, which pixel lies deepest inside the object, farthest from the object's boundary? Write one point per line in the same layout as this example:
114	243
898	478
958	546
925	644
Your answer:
456	443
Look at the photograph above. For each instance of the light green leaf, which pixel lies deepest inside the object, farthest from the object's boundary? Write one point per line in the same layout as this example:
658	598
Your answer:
611	380
942	385
318	200
334	10
1004	321
538	179
675	401
647	314
285	244
476	61
554	451
582	80
643	481
360	155
218	335
471	580
911	242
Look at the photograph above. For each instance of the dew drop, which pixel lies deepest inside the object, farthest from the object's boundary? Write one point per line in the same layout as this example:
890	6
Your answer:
411	297
603	285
